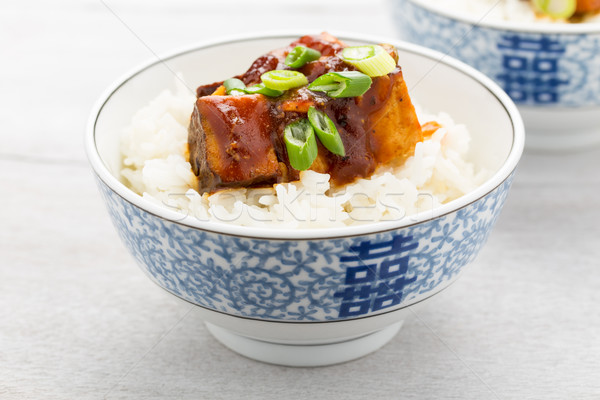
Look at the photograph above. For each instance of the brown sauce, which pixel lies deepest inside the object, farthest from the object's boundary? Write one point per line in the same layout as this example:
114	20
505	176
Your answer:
238	140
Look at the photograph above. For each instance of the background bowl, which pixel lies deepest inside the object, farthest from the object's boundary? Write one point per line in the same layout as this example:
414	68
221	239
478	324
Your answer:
340	293
552	71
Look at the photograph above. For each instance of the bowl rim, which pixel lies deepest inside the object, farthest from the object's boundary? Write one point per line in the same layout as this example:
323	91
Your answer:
514	26
276	233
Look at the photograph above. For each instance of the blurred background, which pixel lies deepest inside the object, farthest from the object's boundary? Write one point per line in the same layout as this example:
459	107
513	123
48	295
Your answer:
79	320
65	53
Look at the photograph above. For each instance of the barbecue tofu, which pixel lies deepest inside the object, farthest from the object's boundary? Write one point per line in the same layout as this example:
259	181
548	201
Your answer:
237	141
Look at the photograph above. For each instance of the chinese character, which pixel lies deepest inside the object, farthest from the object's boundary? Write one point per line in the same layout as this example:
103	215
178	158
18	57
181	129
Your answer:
367	250
544	44
530	69
375	286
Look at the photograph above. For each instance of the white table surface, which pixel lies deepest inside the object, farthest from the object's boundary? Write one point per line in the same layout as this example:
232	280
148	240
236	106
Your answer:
79	320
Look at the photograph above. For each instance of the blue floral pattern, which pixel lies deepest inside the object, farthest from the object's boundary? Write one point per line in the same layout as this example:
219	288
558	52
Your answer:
305	280
533	68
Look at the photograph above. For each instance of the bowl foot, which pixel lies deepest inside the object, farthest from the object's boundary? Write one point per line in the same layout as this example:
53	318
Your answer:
304	355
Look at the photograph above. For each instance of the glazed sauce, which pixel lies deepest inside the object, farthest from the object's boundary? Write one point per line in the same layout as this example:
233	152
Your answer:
244	143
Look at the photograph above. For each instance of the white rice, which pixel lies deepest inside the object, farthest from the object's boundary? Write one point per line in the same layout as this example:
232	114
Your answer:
502	10
154	166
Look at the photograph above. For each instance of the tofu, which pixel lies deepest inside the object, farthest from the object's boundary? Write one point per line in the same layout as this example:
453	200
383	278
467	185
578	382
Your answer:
230	141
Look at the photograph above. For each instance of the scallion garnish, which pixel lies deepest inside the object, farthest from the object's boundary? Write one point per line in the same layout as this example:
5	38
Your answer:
301	144
373	60
342	84
556	8
262	89
234	87
282	79
300	56
326	131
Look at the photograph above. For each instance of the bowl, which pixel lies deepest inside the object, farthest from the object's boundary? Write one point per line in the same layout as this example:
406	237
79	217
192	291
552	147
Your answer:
307	297
550	70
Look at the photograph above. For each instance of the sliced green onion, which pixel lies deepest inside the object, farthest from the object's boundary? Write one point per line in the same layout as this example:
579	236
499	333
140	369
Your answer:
282	79
326	131
262	89
234	87
556	8
342	84
300	56
373	60
301	144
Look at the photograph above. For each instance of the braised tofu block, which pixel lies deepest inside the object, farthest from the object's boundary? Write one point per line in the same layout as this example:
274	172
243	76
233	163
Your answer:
238	140
394	129
377	128
586	6
230	141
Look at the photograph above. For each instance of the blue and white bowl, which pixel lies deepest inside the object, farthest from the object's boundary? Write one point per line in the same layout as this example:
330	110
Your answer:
339	292
551	70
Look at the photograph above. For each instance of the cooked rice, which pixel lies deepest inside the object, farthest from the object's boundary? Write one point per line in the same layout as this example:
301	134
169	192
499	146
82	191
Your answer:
154	166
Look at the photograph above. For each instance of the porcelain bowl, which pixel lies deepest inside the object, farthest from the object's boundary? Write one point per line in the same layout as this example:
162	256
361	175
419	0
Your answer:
312	296
550	70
